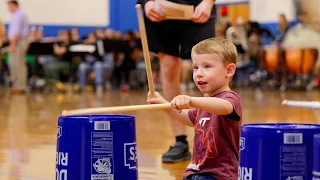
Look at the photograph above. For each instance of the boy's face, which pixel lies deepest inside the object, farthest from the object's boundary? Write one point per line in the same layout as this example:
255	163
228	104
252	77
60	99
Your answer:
210	74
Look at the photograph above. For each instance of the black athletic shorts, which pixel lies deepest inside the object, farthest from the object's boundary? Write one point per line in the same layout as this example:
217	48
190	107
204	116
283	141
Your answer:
177	37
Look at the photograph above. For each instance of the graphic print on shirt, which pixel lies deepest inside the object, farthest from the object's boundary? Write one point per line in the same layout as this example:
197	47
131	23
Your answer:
203	121
205	145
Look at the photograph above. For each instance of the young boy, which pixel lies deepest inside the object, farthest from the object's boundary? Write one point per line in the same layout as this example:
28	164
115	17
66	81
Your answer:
217	116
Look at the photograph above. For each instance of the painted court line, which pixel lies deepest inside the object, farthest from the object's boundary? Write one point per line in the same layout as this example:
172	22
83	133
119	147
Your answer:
21	176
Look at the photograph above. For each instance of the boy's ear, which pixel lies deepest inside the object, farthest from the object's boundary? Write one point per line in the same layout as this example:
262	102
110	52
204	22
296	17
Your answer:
231	70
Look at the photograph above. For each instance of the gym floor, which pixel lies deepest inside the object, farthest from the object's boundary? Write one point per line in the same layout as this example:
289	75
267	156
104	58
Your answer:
28	126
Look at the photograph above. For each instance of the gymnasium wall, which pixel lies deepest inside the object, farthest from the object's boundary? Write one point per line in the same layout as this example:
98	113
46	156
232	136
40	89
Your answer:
266	12
87	15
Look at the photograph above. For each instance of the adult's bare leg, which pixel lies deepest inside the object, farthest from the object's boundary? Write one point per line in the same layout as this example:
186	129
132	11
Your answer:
170	78
186	67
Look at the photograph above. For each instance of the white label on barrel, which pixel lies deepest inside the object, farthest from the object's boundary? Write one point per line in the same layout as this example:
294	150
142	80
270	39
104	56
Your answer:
293	163
245	173
59	131
62	174
242	143
61	160
102	156
102	125
130	155
292	138
316	175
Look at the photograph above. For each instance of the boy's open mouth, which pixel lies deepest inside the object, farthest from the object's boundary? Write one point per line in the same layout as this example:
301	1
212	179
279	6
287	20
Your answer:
202	83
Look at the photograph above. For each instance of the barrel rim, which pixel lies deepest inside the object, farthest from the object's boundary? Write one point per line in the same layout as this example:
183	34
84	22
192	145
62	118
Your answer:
274	125
108	116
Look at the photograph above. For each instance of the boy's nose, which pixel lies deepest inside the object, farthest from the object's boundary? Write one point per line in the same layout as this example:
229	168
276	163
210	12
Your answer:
199	73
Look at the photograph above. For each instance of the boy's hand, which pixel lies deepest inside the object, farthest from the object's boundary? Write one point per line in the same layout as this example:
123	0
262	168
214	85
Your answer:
158	99
181	102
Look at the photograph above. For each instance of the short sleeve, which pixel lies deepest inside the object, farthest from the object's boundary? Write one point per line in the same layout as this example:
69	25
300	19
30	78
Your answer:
142	2
16	24
192	113
234	99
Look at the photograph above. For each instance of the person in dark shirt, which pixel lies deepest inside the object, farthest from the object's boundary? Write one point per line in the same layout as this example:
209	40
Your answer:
58	69
173	40
216	117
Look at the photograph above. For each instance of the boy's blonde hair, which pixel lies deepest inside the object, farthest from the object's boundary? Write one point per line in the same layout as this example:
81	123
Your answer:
223	47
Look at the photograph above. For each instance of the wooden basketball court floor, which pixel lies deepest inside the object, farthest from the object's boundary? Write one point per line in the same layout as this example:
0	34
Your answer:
28	128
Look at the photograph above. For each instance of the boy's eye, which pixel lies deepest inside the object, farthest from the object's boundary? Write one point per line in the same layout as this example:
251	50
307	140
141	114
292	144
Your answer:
195	67
207	66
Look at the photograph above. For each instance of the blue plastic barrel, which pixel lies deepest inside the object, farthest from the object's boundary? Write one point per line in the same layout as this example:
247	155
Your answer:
316	156
277	151
96	147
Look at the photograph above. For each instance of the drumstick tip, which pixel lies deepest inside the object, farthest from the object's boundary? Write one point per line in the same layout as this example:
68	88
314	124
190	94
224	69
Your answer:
138	6
64	112
284	102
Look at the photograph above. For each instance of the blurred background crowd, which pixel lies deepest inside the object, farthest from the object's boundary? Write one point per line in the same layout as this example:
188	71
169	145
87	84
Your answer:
285	58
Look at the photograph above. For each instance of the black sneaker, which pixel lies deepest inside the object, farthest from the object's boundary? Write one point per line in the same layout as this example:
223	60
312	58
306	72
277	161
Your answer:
177	153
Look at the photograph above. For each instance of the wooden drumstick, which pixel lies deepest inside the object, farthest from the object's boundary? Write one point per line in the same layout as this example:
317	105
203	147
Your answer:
302	104
145	49
116	109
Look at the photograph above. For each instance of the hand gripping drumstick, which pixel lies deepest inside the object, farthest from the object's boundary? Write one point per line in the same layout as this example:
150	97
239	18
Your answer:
302	104
145	49
117	109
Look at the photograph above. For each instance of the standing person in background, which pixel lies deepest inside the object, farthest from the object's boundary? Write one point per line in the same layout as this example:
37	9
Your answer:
2	33
238	35
173	41
283	27
18	36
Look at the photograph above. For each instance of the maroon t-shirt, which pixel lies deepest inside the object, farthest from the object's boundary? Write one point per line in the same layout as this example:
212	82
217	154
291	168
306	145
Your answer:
216	140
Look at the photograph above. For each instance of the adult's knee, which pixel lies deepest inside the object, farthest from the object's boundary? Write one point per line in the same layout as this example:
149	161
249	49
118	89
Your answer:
170	67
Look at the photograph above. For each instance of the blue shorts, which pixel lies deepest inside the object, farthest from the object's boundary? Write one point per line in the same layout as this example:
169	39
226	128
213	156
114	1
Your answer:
199	177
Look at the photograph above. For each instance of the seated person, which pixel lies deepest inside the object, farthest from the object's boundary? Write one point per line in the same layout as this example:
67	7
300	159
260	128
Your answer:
57	68
91	63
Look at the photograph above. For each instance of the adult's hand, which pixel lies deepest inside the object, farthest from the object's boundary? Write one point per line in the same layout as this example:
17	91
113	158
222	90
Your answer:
152	13
202	12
